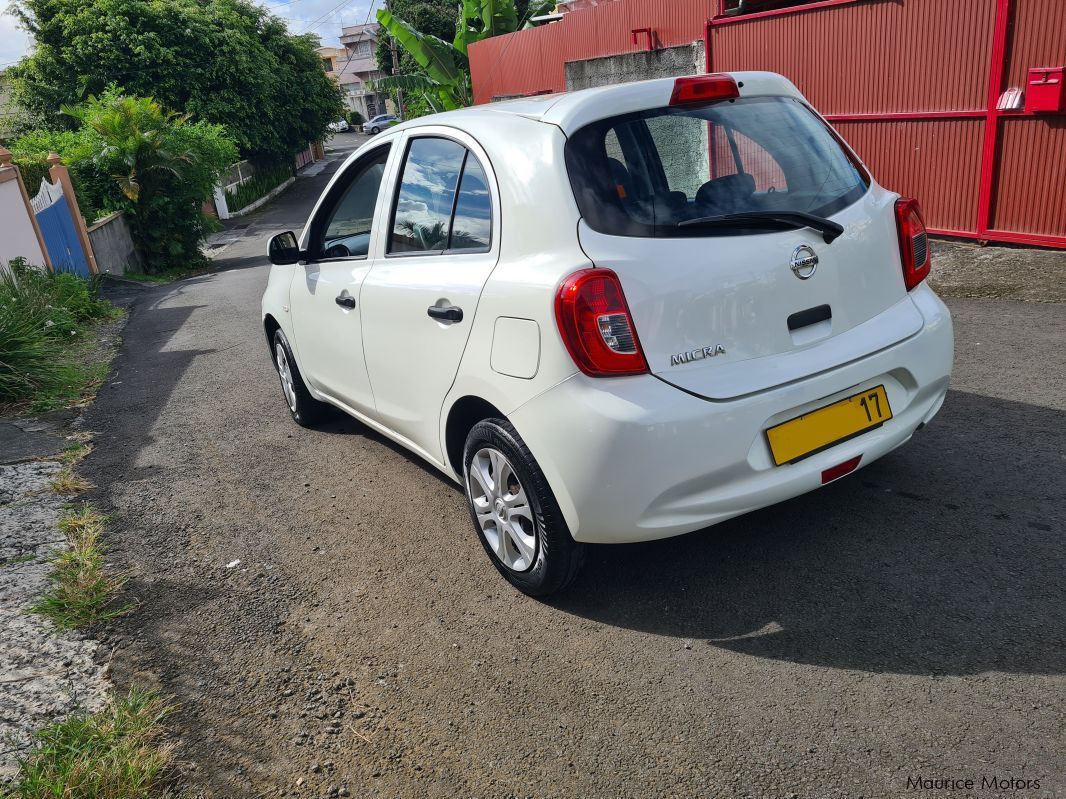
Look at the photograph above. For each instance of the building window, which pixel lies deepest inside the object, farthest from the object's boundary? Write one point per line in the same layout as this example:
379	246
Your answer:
363	49
327	64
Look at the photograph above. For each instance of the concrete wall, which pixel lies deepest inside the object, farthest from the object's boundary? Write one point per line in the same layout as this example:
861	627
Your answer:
18	235
643	65
113	246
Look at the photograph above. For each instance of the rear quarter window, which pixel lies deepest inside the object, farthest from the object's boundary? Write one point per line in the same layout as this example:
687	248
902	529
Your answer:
642	174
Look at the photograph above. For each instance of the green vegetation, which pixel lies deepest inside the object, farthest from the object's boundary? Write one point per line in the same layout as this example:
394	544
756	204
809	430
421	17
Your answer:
177	273
355	119
130	154
117	753
227	62
82	591
43	320
262	182
440	79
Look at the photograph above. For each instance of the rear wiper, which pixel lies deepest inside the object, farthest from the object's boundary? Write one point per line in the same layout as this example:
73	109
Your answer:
827	227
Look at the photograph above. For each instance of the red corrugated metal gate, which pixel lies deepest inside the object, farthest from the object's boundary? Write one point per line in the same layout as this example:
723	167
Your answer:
912	85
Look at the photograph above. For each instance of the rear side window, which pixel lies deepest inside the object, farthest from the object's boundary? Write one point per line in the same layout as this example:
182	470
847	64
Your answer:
442	204
642	174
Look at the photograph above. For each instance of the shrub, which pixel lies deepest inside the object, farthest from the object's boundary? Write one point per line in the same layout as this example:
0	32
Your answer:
40	314
129	154
261	183
355	118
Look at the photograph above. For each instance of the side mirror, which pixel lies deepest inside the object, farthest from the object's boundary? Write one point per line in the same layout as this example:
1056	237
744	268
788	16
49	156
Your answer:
283	249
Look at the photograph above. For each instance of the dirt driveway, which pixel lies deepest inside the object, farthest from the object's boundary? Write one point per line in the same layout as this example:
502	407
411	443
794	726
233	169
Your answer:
907	621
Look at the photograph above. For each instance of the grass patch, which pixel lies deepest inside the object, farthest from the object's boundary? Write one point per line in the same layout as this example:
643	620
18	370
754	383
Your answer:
75	452
169	276
45	360
67	482
82	591
117	753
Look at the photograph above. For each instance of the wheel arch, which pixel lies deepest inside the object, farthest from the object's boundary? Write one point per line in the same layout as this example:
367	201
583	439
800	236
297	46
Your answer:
464	413
270	327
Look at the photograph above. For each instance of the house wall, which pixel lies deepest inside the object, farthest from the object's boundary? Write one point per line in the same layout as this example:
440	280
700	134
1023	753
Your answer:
18	234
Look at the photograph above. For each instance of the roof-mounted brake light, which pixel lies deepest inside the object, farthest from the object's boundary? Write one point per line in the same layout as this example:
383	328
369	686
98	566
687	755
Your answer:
703	89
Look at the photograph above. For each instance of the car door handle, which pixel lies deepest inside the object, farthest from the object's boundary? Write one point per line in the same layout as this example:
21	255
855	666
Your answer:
345	301
449	314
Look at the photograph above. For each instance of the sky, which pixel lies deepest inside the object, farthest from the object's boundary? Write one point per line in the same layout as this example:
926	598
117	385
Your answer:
324	17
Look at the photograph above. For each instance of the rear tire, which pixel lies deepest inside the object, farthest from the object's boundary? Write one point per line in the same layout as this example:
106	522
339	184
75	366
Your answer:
515	513
306	410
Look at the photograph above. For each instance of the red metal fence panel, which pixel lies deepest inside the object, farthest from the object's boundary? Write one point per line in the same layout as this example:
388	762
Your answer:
915	157
868	58
1029	196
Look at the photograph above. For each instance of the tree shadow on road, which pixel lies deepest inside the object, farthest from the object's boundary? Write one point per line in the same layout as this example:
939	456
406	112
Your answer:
945	557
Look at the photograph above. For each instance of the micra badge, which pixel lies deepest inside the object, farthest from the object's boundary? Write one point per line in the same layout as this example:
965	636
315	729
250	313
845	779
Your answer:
696	355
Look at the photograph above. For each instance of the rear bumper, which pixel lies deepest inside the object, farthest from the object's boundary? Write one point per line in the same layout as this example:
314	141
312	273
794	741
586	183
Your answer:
634	459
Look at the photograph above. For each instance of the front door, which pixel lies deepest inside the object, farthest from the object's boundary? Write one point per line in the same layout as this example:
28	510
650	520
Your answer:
420	297
325	292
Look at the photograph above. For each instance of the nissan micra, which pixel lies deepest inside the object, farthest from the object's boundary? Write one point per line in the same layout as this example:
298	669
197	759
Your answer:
617	314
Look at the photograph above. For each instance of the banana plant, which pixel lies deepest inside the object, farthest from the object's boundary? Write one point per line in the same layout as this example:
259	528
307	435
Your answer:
445	79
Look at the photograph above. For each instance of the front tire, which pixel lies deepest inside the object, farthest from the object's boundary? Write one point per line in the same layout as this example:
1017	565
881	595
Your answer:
306	410
515	513
375	131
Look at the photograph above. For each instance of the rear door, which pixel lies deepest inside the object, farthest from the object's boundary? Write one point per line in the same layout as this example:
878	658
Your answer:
719	309
420	298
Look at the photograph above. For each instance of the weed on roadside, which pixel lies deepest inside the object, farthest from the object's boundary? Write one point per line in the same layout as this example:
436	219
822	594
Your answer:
76	451
117	753
67	482
82	590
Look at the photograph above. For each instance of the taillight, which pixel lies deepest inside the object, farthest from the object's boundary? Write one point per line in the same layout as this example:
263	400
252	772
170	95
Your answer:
913	242
596	325
703	89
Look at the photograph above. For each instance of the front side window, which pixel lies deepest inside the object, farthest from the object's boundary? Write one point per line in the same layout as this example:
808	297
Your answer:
442	203
645	174
346	234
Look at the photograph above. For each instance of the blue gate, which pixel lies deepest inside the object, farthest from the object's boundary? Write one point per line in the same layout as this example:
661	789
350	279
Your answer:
56	222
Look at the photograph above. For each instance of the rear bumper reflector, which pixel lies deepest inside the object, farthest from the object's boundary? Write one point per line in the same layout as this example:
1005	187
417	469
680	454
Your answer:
841	469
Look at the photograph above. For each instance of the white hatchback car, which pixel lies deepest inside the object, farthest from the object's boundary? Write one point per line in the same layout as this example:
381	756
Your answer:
614	315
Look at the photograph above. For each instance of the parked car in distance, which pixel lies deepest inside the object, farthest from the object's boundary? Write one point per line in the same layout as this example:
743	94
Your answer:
379	123
340	126
614	315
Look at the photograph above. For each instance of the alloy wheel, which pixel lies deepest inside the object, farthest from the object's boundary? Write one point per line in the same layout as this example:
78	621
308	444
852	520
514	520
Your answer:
504	515
285	373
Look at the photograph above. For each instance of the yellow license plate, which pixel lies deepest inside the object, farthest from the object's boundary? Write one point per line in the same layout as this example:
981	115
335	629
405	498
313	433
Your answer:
805	435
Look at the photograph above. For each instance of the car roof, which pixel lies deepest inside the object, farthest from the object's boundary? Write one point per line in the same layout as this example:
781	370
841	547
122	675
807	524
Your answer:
573	110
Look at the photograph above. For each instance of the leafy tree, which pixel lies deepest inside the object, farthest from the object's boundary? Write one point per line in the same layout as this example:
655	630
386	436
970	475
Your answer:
132	155
224	61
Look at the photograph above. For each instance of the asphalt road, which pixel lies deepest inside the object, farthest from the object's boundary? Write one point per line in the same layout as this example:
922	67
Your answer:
907	621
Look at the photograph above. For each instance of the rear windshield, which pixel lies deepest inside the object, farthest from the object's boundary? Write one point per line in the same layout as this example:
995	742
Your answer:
642	174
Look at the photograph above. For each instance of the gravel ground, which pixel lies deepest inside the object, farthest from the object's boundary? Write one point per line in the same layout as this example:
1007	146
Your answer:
44	674
906	621
1004	273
